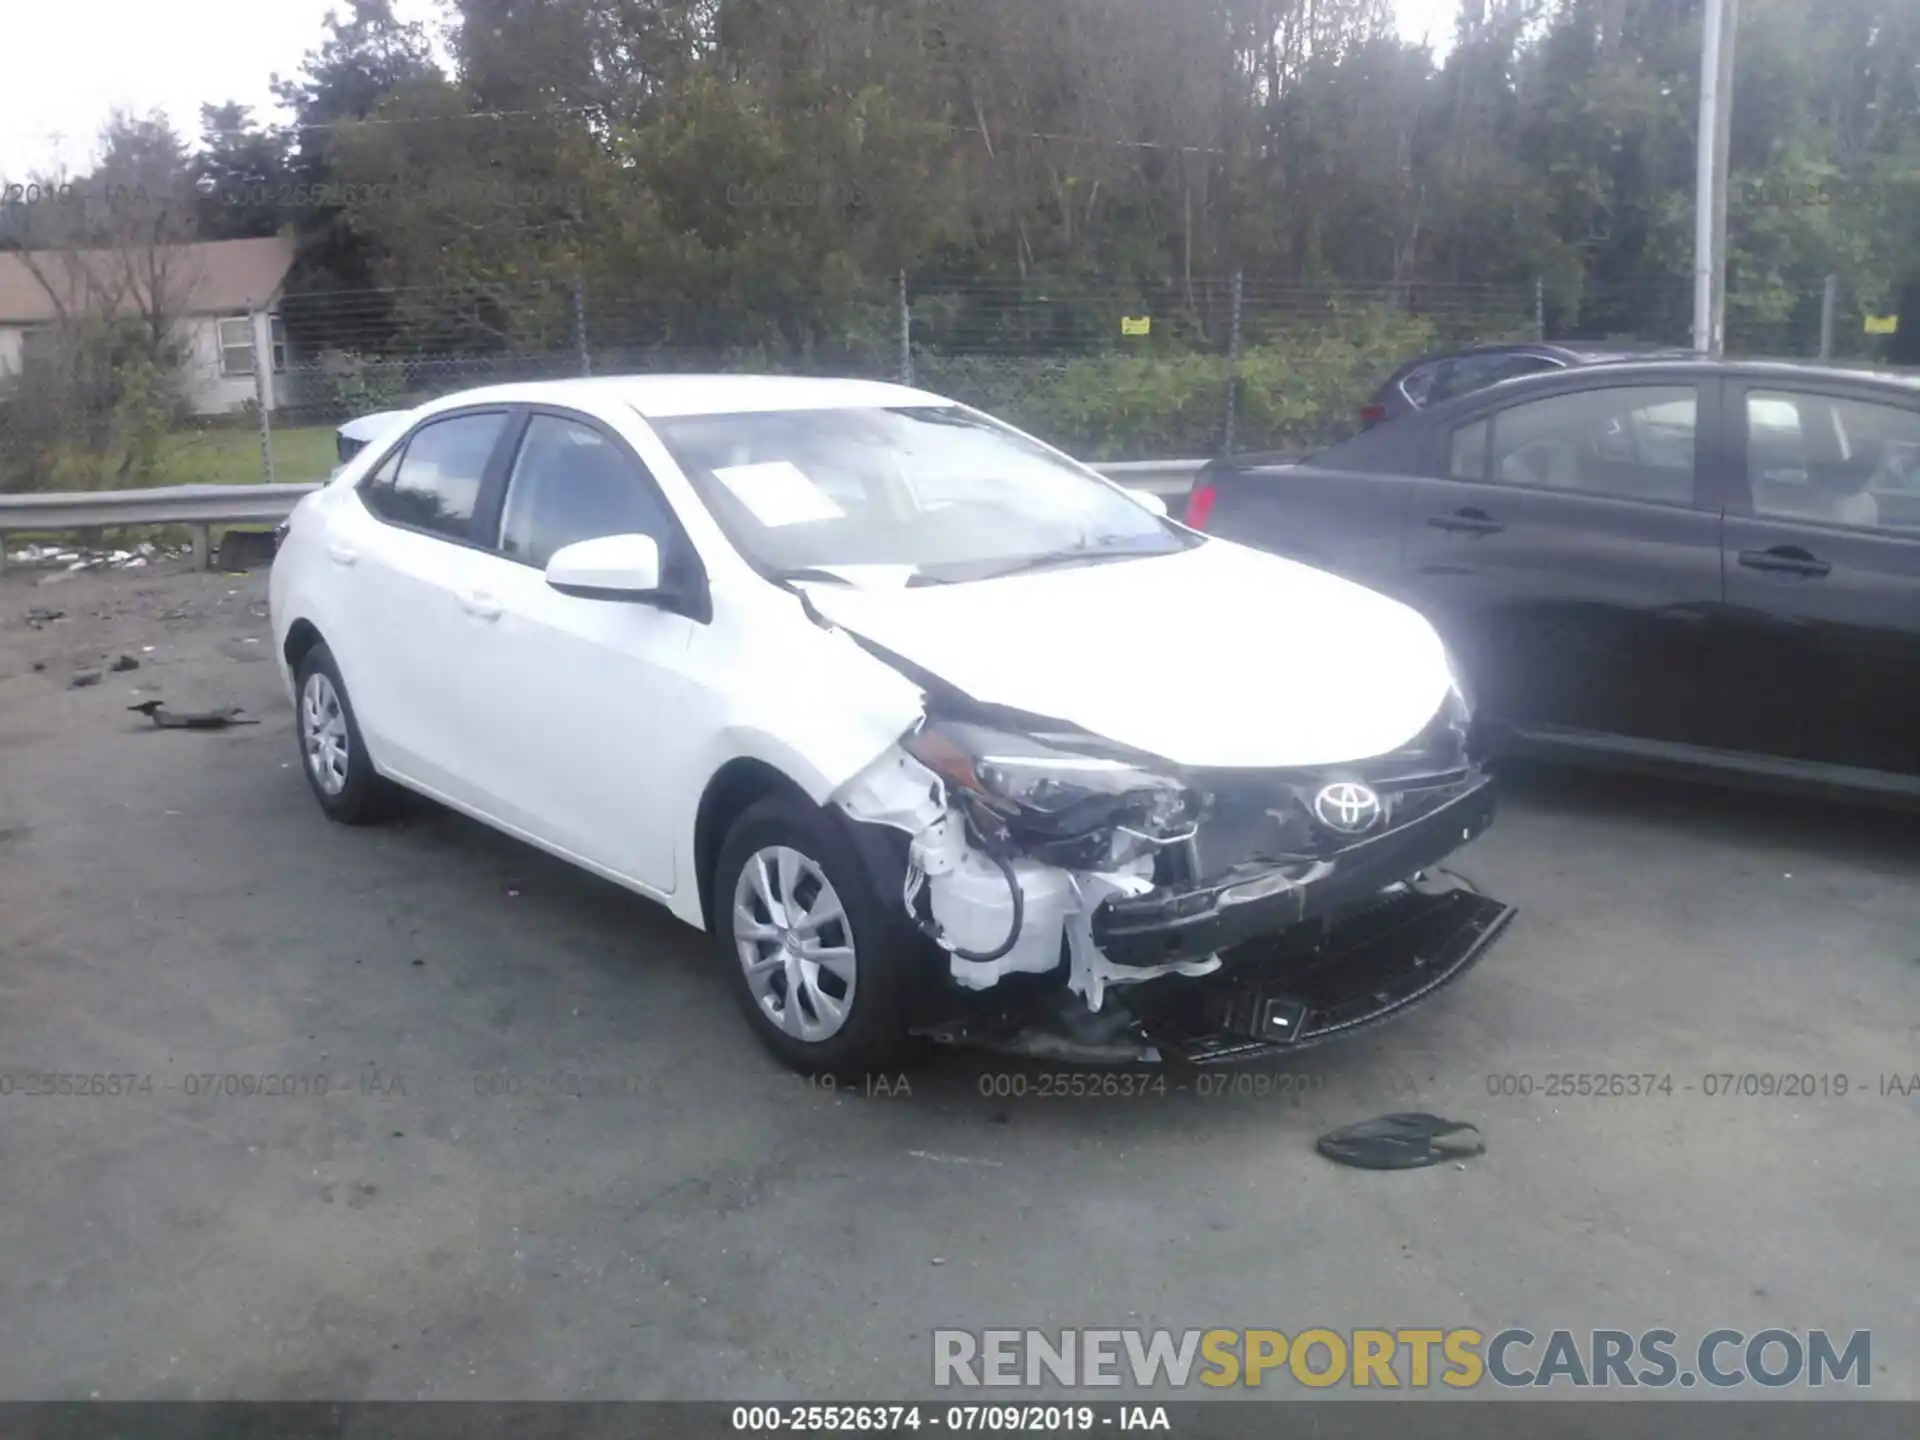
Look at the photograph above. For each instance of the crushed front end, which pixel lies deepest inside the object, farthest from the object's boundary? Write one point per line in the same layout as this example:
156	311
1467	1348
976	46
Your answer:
1100	904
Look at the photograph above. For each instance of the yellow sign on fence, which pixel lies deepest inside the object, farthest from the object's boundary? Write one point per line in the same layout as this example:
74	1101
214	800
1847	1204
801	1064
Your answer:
1883	324
1136	324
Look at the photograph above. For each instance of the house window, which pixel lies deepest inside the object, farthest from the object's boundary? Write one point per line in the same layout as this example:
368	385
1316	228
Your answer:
236	345
39	344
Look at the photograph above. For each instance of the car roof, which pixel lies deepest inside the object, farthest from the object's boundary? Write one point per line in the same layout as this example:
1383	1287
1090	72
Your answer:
1687	361
1679	364
664	396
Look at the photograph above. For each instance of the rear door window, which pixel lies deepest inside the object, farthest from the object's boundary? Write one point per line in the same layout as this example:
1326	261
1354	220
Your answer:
437	480
1633	442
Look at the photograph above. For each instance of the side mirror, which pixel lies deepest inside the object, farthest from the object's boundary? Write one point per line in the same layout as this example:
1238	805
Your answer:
1152	501
612	567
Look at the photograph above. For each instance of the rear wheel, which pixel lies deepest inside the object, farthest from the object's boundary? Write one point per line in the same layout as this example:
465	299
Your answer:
332	755
814	960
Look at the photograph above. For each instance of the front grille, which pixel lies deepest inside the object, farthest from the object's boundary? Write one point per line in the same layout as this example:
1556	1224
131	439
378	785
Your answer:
1252	817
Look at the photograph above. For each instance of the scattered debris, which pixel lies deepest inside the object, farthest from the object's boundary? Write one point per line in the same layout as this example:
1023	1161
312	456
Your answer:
1406	1140
124	663
83	678
39	665
156	711
81	559
43	615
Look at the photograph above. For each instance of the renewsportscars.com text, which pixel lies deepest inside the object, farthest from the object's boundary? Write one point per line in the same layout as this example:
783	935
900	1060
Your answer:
1413	1359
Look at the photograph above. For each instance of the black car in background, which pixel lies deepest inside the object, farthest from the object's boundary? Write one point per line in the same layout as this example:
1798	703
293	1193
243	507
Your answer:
1705	563
1430	379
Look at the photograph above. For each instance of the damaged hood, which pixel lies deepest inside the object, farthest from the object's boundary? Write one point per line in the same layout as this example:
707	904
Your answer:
1214	656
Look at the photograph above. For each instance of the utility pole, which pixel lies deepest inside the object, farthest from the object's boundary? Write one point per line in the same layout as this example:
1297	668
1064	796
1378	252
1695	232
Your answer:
903	316
1710	182
1233	365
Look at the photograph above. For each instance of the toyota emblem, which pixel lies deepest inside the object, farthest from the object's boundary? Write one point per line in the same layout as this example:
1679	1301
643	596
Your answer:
1347	806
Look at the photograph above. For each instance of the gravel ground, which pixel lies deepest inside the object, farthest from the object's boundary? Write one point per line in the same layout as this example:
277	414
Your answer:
551	1162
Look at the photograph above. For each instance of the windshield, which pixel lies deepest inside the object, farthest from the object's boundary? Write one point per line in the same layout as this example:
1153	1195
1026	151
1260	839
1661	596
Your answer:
922	494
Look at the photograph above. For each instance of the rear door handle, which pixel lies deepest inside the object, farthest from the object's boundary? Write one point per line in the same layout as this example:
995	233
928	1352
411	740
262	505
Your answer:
481	607
342	554
1470	521
1785	560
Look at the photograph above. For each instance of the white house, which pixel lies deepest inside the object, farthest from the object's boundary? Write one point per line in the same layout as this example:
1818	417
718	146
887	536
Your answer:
220	297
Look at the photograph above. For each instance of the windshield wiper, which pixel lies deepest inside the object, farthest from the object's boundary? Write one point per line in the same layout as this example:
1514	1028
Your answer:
1086	552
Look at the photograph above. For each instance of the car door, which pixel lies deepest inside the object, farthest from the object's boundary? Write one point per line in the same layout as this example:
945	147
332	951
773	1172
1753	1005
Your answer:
582	709
1822	553
1570	556
408	559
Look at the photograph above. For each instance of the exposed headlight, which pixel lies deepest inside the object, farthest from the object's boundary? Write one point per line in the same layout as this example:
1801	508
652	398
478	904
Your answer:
1060	806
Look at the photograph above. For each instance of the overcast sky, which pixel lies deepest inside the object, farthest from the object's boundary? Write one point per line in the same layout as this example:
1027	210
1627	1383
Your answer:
70	62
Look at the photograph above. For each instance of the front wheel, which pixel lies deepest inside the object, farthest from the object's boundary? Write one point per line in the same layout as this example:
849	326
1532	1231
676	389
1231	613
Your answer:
332	754
814	961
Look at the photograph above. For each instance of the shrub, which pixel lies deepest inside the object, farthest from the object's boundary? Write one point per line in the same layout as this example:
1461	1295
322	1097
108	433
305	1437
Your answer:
1301	385
95	405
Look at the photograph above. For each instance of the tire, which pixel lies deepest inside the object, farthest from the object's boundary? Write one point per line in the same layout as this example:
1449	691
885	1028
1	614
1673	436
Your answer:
333	757
789	840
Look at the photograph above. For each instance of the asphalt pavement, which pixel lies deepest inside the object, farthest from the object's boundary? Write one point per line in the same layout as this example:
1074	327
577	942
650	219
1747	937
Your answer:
551	1162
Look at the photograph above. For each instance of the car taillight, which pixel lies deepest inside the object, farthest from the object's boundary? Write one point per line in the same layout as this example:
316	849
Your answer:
1372	414
1200	506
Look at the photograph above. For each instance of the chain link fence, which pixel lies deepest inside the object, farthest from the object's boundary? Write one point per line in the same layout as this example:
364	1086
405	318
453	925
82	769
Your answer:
1182	368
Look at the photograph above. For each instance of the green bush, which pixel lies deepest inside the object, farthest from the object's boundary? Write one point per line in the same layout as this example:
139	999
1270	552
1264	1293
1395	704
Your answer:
1300	386
91	410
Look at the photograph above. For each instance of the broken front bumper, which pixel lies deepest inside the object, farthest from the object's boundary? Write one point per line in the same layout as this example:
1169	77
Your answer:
1322	980
1171	924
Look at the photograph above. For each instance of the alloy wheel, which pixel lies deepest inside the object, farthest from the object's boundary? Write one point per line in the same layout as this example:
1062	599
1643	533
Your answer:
323	733
794	943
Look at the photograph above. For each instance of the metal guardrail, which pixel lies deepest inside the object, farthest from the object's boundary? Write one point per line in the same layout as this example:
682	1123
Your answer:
195	506
198	506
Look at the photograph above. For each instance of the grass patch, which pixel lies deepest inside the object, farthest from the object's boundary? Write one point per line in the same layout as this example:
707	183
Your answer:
221	455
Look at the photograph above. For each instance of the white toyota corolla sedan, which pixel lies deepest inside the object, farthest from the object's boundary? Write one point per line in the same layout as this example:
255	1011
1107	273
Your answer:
939	732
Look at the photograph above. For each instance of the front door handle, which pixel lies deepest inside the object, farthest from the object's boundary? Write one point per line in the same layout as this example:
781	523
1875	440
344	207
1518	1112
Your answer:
481	607
1785	560
342	554
1471	520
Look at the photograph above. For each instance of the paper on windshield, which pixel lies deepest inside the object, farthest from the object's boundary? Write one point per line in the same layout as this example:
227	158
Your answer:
778	492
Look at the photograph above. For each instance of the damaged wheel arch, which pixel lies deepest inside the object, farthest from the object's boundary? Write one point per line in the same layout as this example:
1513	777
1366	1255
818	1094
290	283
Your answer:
734	788
816	957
